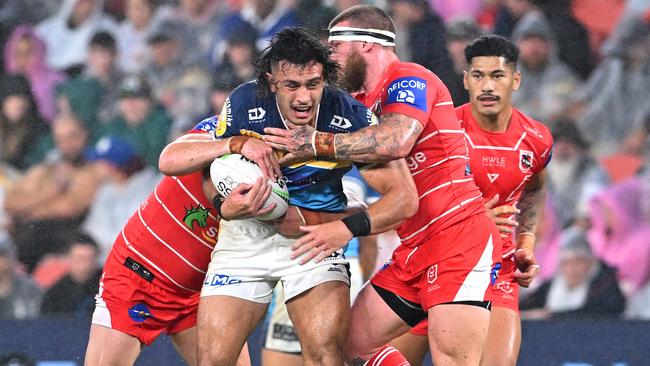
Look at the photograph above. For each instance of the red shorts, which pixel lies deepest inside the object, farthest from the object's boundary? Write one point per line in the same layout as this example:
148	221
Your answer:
129	303
457	264
504	293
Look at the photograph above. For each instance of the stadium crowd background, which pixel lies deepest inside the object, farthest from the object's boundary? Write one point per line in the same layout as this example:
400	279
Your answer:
91	91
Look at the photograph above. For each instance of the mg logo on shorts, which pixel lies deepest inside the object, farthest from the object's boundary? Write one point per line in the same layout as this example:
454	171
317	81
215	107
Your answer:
432	274
139	313
220	280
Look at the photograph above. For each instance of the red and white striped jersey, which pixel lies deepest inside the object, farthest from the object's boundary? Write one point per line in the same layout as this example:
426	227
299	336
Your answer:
438	161
173	233
502	163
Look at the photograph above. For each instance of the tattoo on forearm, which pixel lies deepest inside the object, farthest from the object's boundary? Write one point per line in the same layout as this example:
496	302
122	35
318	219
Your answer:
379	143
302	137
531	205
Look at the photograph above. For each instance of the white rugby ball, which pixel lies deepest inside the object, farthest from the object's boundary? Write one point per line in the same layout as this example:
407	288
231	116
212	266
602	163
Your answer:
228	171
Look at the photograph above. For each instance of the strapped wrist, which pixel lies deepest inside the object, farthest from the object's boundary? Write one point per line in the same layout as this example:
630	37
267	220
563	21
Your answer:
323	144
217	203
358	224
236	143
526	240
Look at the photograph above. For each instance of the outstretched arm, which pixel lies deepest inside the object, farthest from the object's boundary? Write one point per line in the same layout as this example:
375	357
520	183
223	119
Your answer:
399	202
531	205
393	138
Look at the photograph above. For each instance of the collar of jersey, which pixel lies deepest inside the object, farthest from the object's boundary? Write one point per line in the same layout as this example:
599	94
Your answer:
284	121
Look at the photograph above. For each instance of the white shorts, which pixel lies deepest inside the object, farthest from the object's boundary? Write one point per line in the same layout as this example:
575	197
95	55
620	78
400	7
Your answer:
280	335
251	257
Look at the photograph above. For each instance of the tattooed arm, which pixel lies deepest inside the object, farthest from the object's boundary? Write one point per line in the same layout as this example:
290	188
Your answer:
393	138
531	204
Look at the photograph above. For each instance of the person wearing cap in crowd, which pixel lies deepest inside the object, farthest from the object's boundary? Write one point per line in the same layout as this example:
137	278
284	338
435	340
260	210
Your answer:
459	33
125	183
178	81
240	54
20	297
52	198
74	293
583	287
222	85
141	121
549	82
574	177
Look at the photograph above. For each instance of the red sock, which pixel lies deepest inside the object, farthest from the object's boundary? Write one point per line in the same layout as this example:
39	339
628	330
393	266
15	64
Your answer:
387	356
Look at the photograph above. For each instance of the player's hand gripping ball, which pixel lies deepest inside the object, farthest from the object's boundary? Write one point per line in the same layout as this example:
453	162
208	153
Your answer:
228	171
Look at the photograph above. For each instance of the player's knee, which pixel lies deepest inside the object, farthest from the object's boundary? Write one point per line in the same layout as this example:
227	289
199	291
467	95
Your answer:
324	349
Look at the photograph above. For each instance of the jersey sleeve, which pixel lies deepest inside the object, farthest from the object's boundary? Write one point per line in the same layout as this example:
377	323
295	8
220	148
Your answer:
207	125
547	149
411	92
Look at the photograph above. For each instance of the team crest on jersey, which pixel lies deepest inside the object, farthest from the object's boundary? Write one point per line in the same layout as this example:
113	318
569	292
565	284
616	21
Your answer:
410	90
196	214
525	160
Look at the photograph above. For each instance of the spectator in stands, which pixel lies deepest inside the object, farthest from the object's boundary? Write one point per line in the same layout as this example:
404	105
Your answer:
24	54
584	286
21	126
451	11
179	83
75	292
638	307
142	122
459	34
574	176
620	231
266	16
196	21
509	14
53	196
132	33
67	33
614	101
93	95
422	36
315	15
548	83
222	86
125	184
240	54
20	297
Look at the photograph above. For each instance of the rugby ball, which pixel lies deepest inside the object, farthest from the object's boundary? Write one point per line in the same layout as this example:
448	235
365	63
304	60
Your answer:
228	171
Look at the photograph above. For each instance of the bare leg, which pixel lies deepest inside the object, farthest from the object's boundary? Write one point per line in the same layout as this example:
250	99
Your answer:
320	317
274	358
457	334
414	347
372	325
504	338
110	347
224	324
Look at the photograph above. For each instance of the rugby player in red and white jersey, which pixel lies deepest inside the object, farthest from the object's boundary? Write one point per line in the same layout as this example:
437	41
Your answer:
450	249
154	273
508	153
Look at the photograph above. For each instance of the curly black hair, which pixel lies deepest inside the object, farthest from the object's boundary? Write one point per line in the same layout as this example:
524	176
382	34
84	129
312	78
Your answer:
296	46
492	45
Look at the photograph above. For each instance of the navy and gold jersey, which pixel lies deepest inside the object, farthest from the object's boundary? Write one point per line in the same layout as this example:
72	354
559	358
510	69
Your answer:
315	184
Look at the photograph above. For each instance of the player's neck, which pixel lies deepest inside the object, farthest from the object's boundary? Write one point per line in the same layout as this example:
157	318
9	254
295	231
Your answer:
375	73
497	123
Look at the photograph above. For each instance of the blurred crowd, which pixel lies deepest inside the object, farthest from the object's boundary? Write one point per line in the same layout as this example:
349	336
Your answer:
92	90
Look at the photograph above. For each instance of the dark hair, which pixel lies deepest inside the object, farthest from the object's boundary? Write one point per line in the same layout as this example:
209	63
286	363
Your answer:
103	40
365	16
492	45
296	46
80	237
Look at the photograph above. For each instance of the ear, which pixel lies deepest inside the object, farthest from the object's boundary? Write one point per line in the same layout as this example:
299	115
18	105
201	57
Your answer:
465	80
269	78
366	47
516	80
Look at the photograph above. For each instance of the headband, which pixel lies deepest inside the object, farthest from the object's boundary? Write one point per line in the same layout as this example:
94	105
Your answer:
381	37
